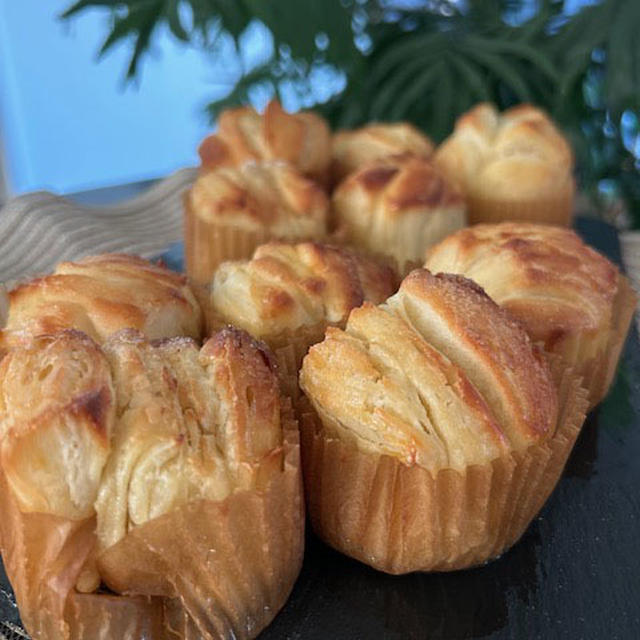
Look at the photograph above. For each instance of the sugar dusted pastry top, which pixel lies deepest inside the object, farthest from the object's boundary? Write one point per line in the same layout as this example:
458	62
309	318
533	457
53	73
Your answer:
544	275
301	139
136	428
517	154
287	286
395	206
355	148
265	195
102	294
438	375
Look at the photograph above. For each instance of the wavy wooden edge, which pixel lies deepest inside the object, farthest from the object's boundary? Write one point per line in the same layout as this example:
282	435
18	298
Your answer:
38	230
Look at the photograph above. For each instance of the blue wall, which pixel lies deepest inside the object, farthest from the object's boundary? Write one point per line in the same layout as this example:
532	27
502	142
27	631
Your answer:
68	123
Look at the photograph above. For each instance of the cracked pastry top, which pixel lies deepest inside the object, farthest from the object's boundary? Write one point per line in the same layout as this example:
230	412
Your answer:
287	286
352	149
545	276
302	139
398	207
103	294
135	428
269	196
438	376
518	154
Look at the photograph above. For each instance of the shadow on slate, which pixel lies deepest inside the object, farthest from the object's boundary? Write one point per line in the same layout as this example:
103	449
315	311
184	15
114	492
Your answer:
575	574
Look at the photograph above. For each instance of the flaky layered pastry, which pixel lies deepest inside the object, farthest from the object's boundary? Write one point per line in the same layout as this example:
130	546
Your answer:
103	294
287	295
565	294
434	432
398	207
517	156
302	139
232	210
351	150
286	286
438	376
261	195
149	467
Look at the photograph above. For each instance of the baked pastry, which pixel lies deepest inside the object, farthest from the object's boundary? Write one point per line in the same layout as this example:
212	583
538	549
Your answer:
288	294
436	432
148	489
397	207
514	165
230	211
352	149
302	139
102	294
566	295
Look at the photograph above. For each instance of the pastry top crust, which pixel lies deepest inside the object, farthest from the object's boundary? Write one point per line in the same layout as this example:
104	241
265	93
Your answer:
352	149
438	375
517	154
103	294
287	286
264	195
136	428
545	276
398	206
302	139
388	189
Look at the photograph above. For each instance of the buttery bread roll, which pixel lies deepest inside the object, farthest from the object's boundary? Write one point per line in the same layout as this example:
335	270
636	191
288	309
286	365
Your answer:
514	165
102	294
166	473
351	150
566	295
397	207
288	294
230	211
303	140
436	432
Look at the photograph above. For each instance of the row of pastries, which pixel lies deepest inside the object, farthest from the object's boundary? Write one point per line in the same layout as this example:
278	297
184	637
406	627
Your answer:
338	324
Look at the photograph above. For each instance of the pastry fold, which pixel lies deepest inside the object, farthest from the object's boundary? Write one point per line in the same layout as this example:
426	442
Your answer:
193	527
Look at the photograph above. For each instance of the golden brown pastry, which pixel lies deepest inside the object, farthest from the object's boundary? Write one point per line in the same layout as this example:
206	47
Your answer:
302	139
397	207
166	473
353	149
230	211
102	294
514	165
428	411
566	295
287	295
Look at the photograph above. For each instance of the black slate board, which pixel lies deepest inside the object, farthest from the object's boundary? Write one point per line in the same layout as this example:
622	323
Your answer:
575	574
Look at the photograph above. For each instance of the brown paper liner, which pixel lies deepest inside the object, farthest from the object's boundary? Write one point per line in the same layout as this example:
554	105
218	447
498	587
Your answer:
556	210
207	244
598	372
399	518
205	570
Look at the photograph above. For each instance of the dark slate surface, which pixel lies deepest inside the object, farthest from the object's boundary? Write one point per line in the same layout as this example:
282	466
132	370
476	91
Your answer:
575	574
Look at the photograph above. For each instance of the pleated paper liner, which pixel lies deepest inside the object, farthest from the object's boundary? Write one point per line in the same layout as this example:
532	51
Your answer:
207	244
205	570
399	518
599	371
557	210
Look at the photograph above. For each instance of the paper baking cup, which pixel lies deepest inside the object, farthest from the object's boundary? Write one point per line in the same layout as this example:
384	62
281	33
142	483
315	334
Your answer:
399	518
207	244
557	210
598	371
205	570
